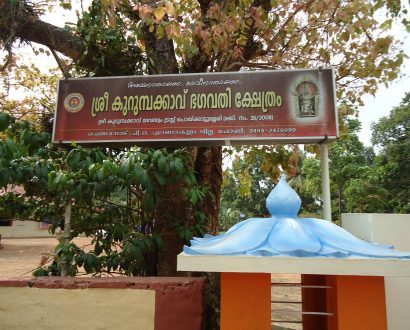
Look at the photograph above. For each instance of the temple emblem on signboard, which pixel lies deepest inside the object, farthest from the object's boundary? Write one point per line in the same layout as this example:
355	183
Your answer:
74	102
307	99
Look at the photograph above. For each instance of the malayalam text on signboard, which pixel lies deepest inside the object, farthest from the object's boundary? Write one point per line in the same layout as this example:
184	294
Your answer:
257	107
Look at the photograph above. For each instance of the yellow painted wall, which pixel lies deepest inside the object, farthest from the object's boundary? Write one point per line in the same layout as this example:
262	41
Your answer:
94	309
21	229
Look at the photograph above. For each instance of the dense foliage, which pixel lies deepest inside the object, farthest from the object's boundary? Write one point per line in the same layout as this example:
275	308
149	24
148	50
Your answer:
391	135
244	191
114	196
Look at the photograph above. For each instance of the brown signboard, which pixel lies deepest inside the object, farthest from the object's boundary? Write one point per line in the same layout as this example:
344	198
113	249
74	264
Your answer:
256	107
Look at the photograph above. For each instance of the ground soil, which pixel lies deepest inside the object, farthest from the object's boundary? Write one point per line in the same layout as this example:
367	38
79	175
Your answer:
20	256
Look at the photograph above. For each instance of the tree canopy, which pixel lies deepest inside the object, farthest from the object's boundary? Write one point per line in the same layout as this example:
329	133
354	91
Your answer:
391	135
123	38
363	180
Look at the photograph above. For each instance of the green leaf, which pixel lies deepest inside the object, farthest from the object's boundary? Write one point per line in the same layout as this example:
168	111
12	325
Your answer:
179	166
118	234
193	196
138	174
148	201
145	180
100	174
160	178
98	249
158	241
99	156
58	249
115	263
134	252
109	168
40	272
60	180
162	163
11	147
157	154
73	158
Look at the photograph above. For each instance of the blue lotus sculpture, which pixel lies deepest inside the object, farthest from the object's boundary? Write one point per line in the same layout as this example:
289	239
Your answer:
285	234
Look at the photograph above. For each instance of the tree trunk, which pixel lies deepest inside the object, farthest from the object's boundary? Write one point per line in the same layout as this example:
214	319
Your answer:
171	211
207	162
208	165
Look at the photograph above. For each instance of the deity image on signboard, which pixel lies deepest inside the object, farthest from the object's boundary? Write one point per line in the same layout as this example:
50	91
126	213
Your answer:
307	99
74	102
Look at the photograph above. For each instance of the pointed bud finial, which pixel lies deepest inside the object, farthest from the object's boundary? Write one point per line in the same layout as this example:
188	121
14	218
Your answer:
283	200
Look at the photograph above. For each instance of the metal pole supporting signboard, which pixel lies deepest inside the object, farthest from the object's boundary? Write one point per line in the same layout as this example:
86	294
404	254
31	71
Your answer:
324	164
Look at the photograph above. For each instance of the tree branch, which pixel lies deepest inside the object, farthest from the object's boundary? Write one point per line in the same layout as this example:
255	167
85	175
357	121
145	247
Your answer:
252	47
160	51
25	25
288	20
60	64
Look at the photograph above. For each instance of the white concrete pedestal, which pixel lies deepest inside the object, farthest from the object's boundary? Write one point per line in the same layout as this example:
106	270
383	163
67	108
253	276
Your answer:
391	229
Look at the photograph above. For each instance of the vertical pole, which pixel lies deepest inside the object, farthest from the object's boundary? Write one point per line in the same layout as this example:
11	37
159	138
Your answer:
324	164
66	236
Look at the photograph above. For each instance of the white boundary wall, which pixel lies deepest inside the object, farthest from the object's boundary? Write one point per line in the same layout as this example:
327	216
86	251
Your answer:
391	229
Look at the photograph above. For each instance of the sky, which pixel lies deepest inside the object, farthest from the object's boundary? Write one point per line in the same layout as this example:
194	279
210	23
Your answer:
383	102
385	99
374	107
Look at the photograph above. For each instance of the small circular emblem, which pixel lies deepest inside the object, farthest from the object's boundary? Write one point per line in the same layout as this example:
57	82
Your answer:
74	102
